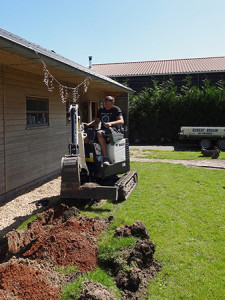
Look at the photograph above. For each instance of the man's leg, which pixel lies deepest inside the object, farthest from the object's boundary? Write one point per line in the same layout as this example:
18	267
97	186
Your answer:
102	144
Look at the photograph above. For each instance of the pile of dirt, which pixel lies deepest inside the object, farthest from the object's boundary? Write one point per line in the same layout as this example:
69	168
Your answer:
61	237
19	281
57	237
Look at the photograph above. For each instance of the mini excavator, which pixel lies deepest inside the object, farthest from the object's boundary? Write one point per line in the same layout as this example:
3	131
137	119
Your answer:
83	173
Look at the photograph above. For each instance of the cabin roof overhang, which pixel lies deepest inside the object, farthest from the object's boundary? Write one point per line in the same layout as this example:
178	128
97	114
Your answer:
21	54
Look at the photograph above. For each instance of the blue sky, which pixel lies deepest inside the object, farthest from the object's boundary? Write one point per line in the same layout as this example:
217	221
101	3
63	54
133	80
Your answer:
119	30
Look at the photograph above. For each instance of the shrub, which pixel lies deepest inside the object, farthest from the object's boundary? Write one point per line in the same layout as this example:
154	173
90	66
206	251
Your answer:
156	114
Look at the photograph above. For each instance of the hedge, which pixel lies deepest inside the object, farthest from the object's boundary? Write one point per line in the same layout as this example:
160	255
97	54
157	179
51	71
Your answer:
156	114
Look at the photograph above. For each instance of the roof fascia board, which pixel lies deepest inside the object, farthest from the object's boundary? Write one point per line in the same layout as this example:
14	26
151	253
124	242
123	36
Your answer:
166	74
51	58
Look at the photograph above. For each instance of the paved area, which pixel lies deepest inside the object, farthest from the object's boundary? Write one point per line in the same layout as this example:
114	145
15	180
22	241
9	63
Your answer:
153	147
176	147
218	164
201	163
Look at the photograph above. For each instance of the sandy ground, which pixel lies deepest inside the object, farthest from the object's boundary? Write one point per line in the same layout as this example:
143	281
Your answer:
17	210
14	212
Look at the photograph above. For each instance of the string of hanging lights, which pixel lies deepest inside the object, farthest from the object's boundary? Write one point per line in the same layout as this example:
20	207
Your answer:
49	80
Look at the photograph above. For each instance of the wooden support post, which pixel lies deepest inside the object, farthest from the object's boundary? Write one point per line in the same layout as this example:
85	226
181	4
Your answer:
4	126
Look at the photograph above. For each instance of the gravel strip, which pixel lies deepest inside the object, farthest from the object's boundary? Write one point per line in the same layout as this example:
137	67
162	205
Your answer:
14	212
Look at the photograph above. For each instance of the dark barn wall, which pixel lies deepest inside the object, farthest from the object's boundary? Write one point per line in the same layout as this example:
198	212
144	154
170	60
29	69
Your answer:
138	83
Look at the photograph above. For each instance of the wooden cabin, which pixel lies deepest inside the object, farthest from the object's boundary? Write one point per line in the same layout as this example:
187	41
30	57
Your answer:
36	87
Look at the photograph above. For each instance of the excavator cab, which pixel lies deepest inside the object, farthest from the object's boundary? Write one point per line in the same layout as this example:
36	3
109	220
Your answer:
117	149
83	174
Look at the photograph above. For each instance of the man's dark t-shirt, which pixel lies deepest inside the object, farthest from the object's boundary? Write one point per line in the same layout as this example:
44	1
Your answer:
108	115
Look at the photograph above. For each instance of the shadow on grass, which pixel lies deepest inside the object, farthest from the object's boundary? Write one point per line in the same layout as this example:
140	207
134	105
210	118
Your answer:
187	147
86	205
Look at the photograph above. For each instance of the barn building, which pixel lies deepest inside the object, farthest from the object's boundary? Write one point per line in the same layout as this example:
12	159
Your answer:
36	87
138	75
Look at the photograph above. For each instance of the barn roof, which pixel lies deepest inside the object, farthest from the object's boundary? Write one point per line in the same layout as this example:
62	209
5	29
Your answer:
33	53
162	67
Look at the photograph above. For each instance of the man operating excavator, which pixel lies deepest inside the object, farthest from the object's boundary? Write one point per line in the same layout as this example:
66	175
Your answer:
110	116
84	175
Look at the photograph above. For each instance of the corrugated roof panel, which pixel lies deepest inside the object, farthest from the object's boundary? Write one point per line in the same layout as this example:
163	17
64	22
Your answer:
175	66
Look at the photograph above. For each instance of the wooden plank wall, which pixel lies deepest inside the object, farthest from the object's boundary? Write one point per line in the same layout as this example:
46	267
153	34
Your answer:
28	155
31	153
2	168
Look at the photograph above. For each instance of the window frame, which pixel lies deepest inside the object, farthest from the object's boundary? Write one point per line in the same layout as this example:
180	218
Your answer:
68	103
37	116
93	109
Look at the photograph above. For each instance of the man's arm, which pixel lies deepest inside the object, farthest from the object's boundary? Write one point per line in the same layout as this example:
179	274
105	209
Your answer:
118	122
94	123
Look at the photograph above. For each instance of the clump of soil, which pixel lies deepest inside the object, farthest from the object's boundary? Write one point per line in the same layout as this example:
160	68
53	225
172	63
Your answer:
142	254
95	291
141	269
137	229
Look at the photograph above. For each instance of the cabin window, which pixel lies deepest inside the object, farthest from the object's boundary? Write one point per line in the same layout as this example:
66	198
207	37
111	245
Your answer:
37	112
82	112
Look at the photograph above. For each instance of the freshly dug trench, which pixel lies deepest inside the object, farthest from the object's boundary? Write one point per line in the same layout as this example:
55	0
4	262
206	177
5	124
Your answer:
140	266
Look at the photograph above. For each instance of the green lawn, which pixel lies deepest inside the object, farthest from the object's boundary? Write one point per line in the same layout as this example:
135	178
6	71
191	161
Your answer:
183	209
167	154
184	212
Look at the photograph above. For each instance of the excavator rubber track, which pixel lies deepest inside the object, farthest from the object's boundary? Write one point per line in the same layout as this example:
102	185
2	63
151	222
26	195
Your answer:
71	188
126	184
